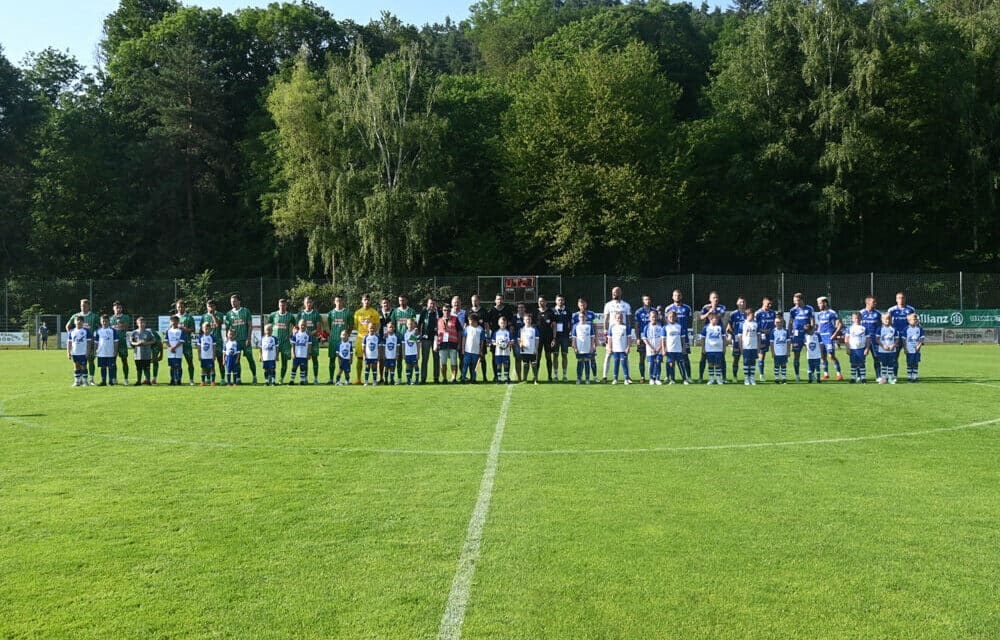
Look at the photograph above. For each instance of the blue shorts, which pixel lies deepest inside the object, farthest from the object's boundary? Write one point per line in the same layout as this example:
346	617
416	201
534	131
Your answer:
345	364
780	361
828	344
798	339
371	362
174	362
765	341
714	357
411	361
749	355
300	362
80	359
656	358
675	357
106	362
912	358
269	365
585	357
813	364
857	357
501	361
390	364
233	363
207	363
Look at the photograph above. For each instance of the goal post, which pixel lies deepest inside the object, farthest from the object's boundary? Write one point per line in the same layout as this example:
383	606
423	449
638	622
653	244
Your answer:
519	288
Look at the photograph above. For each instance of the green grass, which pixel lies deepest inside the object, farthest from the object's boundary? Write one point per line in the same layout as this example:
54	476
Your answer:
341	512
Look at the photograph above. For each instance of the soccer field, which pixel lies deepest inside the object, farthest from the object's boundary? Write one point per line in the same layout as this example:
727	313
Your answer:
550	511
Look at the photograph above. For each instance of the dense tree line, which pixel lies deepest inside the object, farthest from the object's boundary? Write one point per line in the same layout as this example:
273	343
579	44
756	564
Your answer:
537	135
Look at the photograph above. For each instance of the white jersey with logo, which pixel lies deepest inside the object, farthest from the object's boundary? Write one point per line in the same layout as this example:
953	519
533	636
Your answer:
749	335
856	336
300	344
107	344
813	342
583	338
175	338
391	346
501	338
529	340
411	342
779	338
345	349
268	348
715	338
472	339
914	337
654	336
79	340
370	345
674	336
206	347
618	336
614	306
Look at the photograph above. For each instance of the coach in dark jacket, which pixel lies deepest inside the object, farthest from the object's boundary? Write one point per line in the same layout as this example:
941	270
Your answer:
427	321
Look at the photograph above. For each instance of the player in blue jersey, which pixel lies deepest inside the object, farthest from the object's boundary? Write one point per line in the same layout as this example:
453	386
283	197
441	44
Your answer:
765	317
683	316
831	330
914	341
707	311
652	337
899	313
871	319
888	344
779	350
800	316
640	320
734	328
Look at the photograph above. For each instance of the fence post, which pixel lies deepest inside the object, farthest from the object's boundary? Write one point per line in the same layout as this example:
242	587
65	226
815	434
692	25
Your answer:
6	310
604	291
693	299
90	294
961	298
175	288
871	283
261	307
782	290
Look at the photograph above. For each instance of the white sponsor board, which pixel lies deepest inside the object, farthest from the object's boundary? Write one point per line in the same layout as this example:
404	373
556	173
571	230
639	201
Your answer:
163	323
13	338
983	335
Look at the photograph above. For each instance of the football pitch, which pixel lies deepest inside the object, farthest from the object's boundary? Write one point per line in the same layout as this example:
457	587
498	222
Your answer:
549	511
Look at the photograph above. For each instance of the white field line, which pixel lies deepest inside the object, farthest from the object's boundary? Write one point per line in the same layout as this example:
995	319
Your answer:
984	384
458	597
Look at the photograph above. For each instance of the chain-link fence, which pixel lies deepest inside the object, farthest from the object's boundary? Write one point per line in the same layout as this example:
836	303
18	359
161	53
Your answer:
24	299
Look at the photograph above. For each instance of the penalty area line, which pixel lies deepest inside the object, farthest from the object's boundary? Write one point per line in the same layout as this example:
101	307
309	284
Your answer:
458	597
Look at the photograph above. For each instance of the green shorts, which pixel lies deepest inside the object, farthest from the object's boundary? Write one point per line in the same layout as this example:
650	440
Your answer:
285	349
123	349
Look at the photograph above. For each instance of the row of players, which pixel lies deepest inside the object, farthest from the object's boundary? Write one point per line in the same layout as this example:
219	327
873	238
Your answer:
752	335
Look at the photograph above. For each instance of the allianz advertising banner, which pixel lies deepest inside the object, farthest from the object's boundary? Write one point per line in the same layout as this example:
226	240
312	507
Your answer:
954	326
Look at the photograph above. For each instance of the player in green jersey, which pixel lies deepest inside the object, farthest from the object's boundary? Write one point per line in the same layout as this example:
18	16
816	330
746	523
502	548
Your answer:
91	321
122	323
314	322
338	319
190	328
215	321
283	321
240	320
399	316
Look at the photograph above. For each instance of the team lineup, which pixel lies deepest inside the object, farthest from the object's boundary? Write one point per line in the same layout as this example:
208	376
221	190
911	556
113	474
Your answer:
451	345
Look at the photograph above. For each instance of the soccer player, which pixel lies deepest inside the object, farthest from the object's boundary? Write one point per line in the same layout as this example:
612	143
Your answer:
640	320
240	320
231	351
581	305
364	318
269	355
400	317
370	348
830	331
714	347
283	321
584	345
888	343
734	329
800	316
90	322
561	322
707	311
176	338
652	338
313	324
683	315
206	353
528	342
675	337
345	352
914	338
613	307
121	322
858	346
546	337
900	313
215	321
749	344
142	344
814	349
390	346
499	310
501	341
338	320
79	346
619	345
471	347
765	325
301	343
779	350
106	342
516	329
188	326
411	351
871	319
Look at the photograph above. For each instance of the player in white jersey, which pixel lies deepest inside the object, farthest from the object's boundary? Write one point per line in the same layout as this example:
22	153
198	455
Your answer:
471	347
779	350
345	356
232	351
528	348
618	345
301	342
269	355
714	348
888	343
749	344
813	344
176	337
370	349
613	307
107	340
390	349
206	354
78	349
675	339
914	341
502	345
411	351
653	338
858	345
584	345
